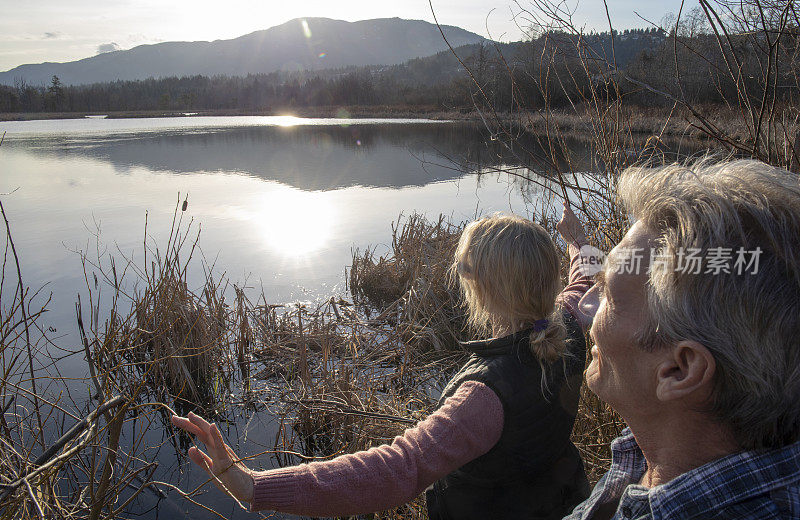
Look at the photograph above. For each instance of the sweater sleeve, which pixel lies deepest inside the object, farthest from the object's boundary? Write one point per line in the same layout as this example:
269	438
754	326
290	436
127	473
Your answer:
468	424
578	284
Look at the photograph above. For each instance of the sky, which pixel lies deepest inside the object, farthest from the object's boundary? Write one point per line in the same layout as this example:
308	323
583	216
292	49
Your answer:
35	31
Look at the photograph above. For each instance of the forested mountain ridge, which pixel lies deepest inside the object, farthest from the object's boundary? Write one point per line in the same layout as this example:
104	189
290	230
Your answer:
438	80
300	44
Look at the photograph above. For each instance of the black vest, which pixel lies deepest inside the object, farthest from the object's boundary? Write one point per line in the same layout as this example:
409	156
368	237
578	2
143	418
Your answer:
534	471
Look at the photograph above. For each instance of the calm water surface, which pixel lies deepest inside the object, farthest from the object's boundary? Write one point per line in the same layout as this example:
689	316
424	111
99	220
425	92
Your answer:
280	207
282	203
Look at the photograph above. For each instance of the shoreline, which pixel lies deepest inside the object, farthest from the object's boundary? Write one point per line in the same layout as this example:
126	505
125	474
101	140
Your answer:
381	111
640	121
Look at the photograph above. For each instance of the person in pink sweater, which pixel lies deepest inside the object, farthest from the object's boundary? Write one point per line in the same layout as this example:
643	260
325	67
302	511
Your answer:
498	444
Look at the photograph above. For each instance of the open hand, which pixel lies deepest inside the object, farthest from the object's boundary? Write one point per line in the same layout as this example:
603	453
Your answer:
570	227
221	463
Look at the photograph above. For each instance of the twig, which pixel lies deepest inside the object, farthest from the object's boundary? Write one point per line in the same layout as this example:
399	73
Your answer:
33	498
86	349
21	287
62	441
8	405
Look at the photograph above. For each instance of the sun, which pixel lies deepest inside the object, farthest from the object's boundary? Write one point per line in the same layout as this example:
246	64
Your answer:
296	223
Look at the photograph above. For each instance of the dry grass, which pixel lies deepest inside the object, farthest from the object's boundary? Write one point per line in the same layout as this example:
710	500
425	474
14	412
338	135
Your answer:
160	338
157	346
411	285
668	124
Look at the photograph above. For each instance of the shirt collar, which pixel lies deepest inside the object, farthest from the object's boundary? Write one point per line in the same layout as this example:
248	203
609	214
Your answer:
713	486
726	481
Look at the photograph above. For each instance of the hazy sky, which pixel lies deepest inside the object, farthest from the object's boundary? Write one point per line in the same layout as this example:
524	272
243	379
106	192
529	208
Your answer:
35	31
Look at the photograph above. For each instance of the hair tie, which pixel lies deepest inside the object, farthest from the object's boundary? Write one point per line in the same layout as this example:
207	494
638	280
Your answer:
540	325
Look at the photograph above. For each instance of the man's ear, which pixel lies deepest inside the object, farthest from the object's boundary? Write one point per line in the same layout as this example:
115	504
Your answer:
687	367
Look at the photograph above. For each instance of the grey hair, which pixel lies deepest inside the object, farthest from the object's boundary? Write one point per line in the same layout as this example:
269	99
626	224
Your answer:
749	321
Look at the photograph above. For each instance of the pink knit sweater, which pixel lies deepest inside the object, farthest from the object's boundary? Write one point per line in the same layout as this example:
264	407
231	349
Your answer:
468	424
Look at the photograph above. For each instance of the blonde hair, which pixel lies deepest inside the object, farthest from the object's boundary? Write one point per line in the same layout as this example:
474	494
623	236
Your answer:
508	269
750	321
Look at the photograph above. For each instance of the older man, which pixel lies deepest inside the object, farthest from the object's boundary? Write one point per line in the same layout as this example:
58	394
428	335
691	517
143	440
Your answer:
697	345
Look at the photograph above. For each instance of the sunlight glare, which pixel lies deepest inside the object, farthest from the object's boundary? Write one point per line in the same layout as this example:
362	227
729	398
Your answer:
306	30
296	223
284	120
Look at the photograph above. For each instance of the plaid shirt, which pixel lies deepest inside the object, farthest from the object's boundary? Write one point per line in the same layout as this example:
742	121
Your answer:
747	485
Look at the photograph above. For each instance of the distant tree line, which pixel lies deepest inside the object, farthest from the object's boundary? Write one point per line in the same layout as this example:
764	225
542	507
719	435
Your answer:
499	75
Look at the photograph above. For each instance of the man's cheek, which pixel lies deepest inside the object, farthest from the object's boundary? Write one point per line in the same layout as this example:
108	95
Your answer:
598	331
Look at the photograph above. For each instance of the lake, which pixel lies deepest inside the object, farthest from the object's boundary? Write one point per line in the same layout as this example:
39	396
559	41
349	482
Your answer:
282	202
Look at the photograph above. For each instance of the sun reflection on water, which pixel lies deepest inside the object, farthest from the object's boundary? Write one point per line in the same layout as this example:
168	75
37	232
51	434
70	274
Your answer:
296	223
285	120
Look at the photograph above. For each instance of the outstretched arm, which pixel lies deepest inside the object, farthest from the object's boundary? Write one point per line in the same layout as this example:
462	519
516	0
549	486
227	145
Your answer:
580	280
465	427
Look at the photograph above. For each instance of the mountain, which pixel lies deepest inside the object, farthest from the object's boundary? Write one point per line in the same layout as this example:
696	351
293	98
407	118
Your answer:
300	44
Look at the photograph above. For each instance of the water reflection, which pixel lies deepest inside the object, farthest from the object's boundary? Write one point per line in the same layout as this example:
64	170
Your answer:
280	207
294	222
307	157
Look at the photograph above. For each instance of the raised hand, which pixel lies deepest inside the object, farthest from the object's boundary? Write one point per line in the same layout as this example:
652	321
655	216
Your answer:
221	463
570	227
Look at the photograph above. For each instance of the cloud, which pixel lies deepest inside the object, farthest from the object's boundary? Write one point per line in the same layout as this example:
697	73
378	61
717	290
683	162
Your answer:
51	35
107	47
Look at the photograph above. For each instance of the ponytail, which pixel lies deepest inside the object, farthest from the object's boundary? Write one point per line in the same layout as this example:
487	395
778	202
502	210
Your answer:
548	341
548	344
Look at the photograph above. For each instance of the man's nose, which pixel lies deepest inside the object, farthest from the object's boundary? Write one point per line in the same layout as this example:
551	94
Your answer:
588	305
